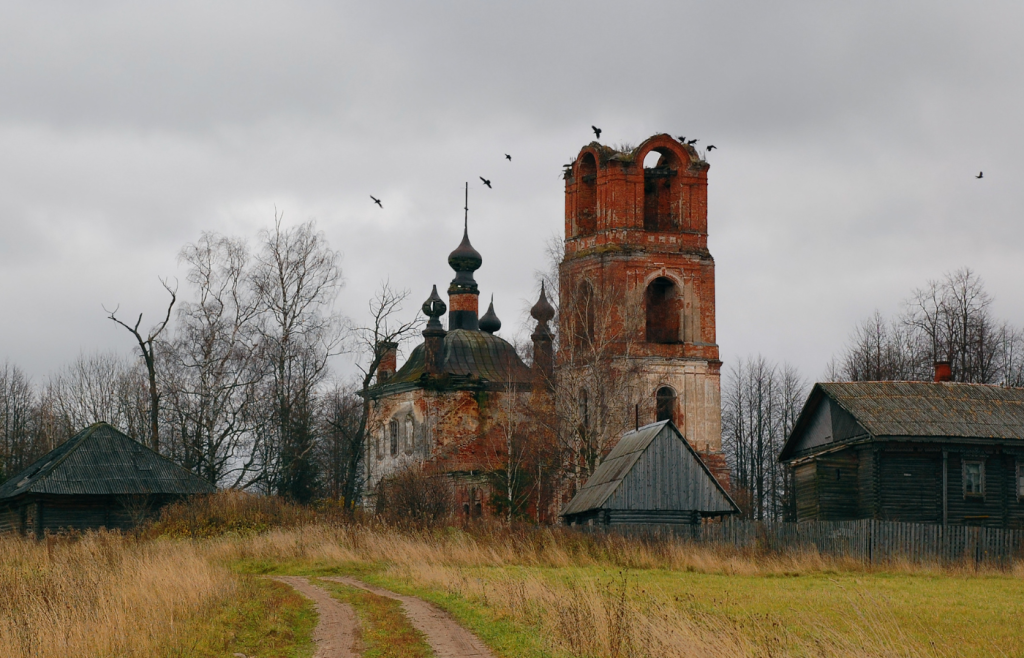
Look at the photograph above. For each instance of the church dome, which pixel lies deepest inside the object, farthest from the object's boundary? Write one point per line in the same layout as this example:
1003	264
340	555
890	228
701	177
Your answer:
468	357
465	258
490	322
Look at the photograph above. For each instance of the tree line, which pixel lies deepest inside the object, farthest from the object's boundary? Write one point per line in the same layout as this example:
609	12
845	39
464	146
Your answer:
238	389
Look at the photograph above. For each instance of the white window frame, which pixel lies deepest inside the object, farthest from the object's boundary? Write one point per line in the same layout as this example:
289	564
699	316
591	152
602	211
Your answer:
1020	480
980	463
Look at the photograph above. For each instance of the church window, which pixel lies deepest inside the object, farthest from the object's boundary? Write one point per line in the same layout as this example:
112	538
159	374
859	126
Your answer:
661	192
586	195
665	400
584	312
393	430
410	434
662	301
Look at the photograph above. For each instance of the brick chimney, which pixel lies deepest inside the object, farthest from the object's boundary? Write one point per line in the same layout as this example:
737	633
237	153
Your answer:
388	361
943	371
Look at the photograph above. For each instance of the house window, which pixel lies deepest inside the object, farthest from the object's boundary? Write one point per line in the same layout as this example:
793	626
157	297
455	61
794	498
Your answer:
1020	480
974	479
393	430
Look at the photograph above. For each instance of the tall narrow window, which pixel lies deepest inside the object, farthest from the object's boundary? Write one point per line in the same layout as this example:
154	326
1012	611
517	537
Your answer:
1020	480
586	196
974	479
410	436
393	430
665	400
662	300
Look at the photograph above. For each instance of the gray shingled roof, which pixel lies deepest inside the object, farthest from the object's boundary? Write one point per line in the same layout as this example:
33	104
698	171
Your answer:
606	479
930	409
100	460
474	355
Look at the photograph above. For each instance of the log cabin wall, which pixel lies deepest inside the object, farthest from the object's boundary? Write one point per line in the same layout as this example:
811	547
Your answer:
867	482
910	484
837	486
805	483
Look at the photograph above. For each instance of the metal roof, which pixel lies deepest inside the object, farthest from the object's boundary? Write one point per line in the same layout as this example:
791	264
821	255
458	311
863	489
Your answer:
100	460
937	410
468	356
608	477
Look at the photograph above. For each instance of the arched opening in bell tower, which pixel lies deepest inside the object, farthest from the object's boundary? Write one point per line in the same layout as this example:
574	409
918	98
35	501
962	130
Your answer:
661	192
665	404
586	195
662	305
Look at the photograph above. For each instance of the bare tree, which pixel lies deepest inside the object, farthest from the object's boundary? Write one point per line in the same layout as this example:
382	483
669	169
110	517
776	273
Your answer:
385	330
146	347
296	279
213	365
19	446
947	320
760	406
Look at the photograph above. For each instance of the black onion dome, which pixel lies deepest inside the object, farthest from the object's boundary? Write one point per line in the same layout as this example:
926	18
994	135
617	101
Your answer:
490	322
465	258
434	307
542	311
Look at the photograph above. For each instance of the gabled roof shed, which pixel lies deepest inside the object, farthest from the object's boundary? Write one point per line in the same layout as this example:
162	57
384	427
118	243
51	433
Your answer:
651	476
99	477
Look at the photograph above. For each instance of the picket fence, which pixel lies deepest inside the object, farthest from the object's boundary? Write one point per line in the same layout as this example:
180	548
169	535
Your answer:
870	540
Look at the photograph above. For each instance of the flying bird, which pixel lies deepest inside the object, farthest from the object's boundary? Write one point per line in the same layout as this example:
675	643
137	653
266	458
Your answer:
597	131
377	201
980	174
692	142
486	182
508	157
711	147
681	139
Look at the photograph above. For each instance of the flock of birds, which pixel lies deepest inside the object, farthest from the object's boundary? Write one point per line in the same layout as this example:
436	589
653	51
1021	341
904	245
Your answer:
597	134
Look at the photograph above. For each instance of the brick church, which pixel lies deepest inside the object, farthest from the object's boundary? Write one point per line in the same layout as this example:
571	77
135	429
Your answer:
636	343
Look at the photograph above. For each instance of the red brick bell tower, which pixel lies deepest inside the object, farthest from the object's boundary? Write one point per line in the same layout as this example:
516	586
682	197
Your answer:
637	286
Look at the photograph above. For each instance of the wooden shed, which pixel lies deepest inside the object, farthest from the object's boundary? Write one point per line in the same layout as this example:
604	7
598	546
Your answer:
921	452
98	478
651	476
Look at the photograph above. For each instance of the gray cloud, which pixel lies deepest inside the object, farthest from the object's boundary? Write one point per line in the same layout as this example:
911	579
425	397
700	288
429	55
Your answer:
848	134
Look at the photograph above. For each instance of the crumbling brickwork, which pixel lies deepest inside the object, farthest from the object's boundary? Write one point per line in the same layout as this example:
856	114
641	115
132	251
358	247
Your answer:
638	279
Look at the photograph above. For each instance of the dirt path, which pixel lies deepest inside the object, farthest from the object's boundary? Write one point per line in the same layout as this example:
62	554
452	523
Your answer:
337	632
445	636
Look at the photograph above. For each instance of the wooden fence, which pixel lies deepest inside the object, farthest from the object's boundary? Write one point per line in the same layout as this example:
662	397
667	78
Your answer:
869	540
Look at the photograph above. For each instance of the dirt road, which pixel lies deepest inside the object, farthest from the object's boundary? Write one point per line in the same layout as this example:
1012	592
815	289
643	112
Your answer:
446	637
337	633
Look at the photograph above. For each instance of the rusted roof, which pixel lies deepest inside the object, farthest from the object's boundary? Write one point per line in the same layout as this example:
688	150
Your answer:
945	409
608	477
100	460
468	356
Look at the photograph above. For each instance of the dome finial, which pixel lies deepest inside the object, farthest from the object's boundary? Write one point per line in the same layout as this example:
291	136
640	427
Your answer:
490	322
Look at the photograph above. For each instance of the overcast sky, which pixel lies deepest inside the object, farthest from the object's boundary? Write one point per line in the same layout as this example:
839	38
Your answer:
848	136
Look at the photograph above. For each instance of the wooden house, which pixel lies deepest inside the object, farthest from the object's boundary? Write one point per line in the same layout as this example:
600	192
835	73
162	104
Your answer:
98	478
652	476
923	452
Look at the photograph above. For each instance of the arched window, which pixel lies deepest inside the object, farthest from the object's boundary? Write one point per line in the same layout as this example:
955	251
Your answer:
661	192
584	313
662	302
393	430
410	434
586	195
665	400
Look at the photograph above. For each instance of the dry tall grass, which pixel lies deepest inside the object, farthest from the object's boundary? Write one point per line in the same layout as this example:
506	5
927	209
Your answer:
583	614
101	594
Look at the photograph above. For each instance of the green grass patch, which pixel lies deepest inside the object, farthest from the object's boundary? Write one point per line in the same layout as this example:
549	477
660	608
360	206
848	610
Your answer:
385	630
263	619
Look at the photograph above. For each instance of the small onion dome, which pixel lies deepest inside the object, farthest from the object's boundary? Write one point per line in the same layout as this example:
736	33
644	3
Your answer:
434	307
465	258
542	311
490	322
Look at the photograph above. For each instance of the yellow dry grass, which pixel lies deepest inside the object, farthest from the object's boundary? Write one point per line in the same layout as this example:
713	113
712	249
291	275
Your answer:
101	594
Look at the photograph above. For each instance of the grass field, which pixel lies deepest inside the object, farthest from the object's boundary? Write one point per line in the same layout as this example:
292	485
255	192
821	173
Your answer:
527	593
